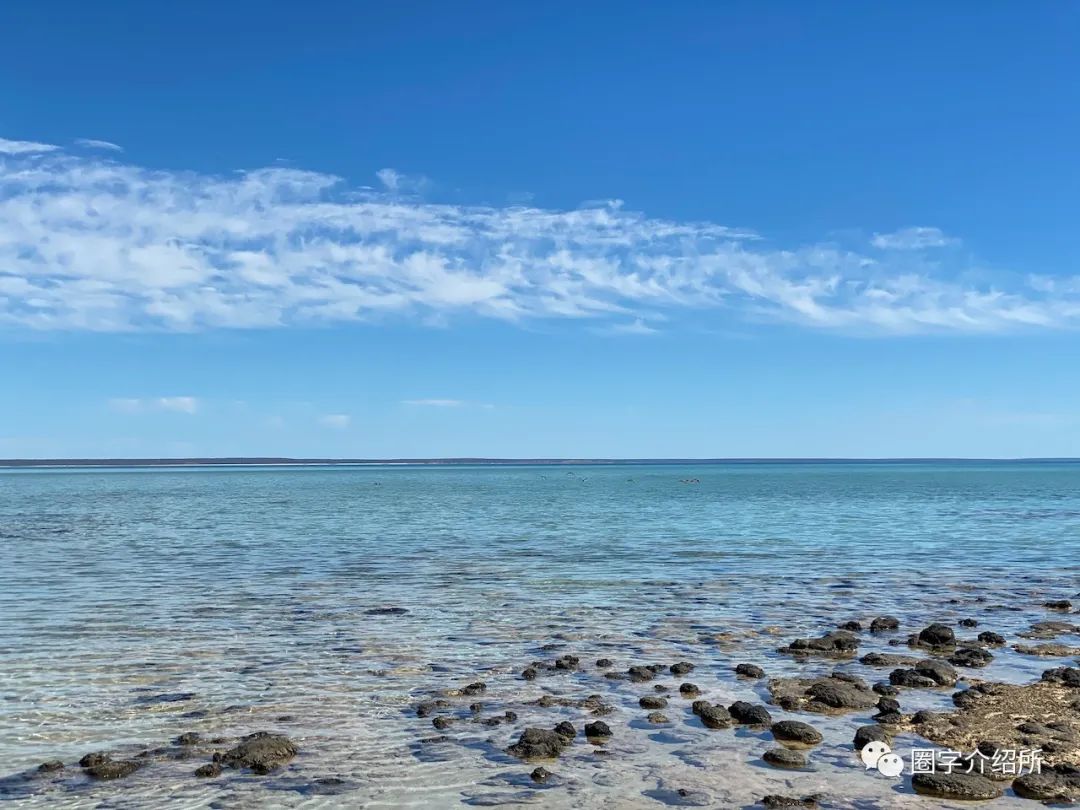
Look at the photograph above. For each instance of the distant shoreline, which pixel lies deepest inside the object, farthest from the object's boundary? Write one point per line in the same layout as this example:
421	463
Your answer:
508	462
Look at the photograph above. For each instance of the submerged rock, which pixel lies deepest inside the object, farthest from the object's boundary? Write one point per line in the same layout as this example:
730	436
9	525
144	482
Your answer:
970	657
540	774
785	758
883	624
832	694
749	671
838	644
52	766
774	800
991	638
261	752
208	771
653	702
657	718
689	690
640	674
112	769
681	668
538	743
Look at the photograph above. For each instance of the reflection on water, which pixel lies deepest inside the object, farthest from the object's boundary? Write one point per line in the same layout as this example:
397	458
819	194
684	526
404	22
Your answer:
137	605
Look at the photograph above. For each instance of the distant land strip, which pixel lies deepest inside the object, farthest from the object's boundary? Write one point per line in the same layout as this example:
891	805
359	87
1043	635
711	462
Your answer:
299	462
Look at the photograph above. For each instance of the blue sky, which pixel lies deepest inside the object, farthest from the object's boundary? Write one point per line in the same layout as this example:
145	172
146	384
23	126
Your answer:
420	229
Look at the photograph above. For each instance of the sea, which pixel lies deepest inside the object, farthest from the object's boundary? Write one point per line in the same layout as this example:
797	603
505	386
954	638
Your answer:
326	602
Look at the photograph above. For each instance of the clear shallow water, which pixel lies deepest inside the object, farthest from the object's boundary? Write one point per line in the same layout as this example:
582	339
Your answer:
242	594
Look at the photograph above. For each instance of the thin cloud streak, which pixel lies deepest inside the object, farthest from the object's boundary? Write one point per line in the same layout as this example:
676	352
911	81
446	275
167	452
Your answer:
95	244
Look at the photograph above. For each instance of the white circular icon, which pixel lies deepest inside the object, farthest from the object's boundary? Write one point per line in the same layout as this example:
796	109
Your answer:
890	764
872	752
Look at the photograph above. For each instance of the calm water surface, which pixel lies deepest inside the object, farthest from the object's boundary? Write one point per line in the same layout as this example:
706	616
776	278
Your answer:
139	604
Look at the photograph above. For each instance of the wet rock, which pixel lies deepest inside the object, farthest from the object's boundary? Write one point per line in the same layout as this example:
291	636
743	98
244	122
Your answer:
529	673
639	674
937	635
851	627
386	611
565	729
475	688
876	659
170	697
1047	630
749	671
886	689
884	624
429	707
652	702
538	743
602	663
597	729
660	688
1060	784
888	704
785	758
1066	676
189	738
682	668
836	693
968	623
112	769
888	718
971	657
261	752
992	638
869	734
749	714
657	718
442	722
567	662
209	770
909	677
540	774
957	786
715	716
1048	650
838	644
689	690
1058	604
52	766
698	706
794	731
95	758
938	671
776	801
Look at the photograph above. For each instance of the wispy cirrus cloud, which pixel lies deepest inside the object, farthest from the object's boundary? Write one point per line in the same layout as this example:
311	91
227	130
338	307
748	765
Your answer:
337	421
88	243
93	143
913	239
188	405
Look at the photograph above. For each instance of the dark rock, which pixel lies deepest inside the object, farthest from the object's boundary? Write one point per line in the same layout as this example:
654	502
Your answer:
990	637
785	758
565	729
112	769
475	688
689	690
261	752
540	774
749	713
774	800
876	659
52	766
889	718
657	718
386	611
639	674
838	643
538	743
602	663
567	662
597	728
750	671
909	677
937	635
822	695
794	731
971	657
884	623
851	627
938	671
660	688
682	668
210	770
869	734
652	702
958	786
715	717
968	623
888	704
189	738
840	693
529	673
924	717
1061	784
698	706
886	689
442	722
1066	676
96	758
429	707
1058	604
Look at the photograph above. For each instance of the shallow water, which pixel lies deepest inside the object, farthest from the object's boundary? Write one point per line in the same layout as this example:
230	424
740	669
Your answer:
139	604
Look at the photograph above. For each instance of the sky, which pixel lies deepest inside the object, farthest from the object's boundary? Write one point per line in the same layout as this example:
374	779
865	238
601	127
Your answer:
626	229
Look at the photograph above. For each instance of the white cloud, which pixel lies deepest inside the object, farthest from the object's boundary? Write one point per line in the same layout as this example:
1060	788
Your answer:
187	405
337	421
396	182
24	147
435	403
91	143
635	327
912	239
93	244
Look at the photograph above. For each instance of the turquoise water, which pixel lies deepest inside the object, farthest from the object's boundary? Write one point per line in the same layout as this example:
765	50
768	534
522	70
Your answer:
243	594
